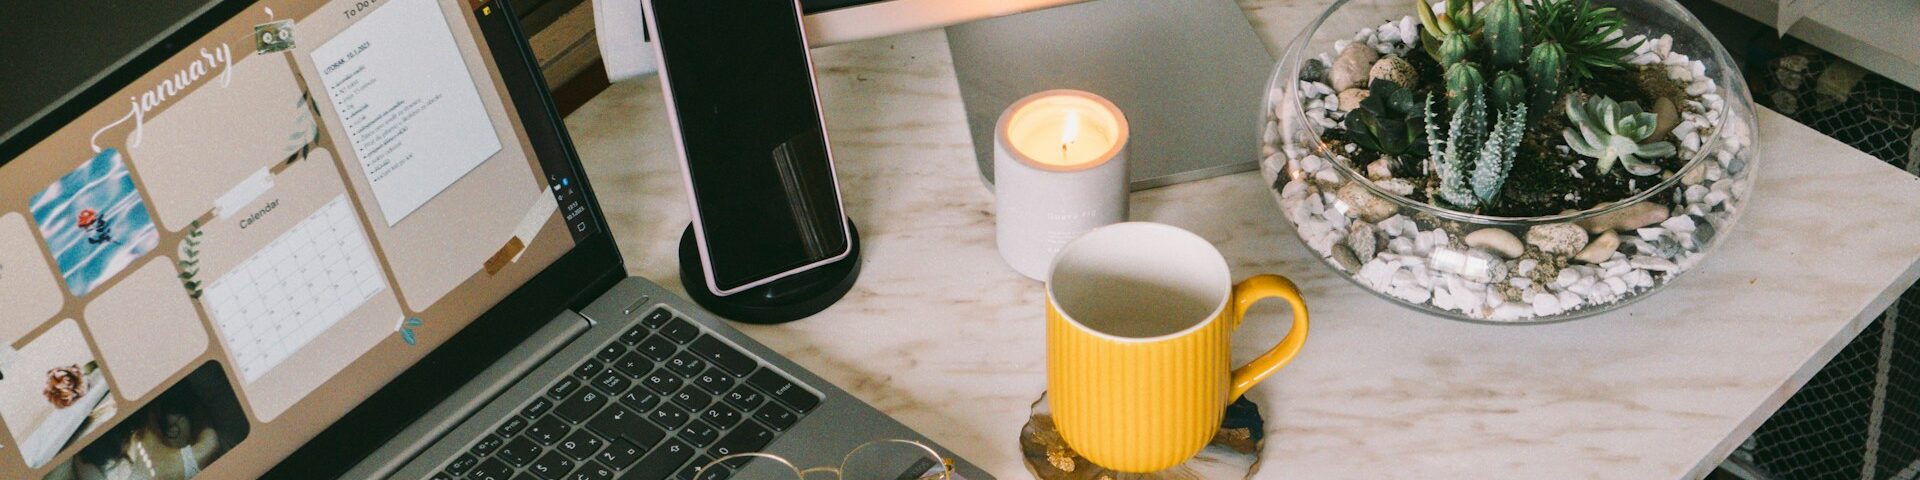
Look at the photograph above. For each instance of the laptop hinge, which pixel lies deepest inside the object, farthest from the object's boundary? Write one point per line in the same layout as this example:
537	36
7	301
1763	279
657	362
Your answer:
460	405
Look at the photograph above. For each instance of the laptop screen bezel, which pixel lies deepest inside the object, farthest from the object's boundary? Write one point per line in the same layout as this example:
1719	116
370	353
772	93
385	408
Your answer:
591	267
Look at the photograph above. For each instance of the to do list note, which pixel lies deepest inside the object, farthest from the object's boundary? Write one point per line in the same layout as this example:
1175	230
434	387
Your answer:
407	102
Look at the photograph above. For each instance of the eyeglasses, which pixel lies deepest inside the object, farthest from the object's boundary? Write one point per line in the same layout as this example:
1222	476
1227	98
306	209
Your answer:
891	459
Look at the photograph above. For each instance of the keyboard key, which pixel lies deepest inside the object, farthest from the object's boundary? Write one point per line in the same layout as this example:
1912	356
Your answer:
640	400
722	354
634	335
611	381
662	462
491	470
441	476
486	446
661	381
786	391
618	422
680	331
580	445
553	466
656	347
463	464
686	364
519	451
717	472
635	364
581	406
512	426
699	434
588	369
620	455
525	476
776	417
723	415
692	398
548	429
744	398
749	437
611	352
564	387
656	318
714	381
539	407
592	471
669	416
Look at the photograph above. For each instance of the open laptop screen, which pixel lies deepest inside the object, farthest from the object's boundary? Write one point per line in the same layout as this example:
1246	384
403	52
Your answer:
208	268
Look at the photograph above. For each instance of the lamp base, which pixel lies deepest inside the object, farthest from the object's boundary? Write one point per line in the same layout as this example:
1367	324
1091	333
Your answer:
1233	453
781	301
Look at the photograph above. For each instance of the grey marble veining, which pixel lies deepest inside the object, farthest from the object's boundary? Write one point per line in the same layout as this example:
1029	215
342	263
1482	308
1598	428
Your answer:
941	334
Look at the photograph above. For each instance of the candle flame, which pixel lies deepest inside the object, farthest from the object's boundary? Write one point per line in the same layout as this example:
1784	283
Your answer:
1071	131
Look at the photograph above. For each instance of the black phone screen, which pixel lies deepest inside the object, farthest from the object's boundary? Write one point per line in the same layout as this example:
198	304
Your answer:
743	93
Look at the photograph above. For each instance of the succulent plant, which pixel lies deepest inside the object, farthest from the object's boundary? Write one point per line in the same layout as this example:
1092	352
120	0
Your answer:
1546	74
1589	38
1500	26
1612	131
1388	120
1508	89
1472	162
1462	79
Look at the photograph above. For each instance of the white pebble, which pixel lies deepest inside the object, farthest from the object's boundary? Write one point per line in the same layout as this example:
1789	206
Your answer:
1544	305
1648	262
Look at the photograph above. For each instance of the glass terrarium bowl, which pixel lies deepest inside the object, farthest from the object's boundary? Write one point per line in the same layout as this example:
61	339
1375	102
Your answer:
1438	260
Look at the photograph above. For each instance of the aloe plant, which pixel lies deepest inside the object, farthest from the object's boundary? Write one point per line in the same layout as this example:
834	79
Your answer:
1613	131
1472	161
1388	120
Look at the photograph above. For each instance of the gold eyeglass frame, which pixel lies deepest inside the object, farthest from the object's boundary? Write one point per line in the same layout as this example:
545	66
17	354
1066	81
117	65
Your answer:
946	464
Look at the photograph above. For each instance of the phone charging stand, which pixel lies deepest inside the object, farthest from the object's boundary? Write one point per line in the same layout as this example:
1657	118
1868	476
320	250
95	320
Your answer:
781	301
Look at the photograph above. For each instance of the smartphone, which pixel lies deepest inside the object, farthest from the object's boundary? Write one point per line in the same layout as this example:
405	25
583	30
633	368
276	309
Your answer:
739	84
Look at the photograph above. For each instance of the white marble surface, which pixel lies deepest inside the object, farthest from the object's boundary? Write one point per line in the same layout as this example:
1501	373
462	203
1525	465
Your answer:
944	336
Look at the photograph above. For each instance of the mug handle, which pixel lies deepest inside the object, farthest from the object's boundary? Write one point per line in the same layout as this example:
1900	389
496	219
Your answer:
1245	294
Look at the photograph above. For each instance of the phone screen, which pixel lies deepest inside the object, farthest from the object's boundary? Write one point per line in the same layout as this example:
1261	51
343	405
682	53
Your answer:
742	89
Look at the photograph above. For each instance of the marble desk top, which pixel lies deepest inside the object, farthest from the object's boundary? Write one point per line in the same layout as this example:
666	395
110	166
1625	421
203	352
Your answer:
941	334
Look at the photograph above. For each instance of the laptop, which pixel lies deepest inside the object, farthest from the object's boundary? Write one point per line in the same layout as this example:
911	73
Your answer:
347	239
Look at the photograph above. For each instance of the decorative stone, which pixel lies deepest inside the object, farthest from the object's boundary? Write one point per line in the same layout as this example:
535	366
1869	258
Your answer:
1399	186
1360	238
1657	264
1558	238
1665	116
1352	67
1600	249
1350	98
1394	69
1546	305
1313	71
1370	207
1381	169
1496	240
1628	218
1694	176
1344	256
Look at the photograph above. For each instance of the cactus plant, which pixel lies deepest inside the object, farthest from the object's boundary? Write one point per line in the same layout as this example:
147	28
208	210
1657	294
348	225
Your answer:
1387	121
1508	90
1545	74
1612	131
1500	25
1462	79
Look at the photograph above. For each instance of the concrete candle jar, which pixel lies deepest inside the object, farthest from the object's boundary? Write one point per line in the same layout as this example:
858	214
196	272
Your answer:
1060	170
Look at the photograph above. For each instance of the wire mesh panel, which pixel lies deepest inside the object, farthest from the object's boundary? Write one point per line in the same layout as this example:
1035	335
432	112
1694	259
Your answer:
1859	417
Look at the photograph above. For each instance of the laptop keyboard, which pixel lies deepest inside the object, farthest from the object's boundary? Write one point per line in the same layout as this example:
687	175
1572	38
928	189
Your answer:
659	402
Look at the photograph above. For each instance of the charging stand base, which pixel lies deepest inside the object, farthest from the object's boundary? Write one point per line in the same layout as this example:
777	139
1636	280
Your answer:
781	301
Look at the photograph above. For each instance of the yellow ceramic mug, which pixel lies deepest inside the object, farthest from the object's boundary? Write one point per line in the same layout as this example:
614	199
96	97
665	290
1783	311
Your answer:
1139	321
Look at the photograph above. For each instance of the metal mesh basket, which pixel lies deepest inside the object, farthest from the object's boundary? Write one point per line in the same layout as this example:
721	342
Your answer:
1859	417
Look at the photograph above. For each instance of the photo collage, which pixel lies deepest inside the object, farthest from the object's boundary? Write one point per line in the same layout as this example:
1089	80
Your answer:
257	219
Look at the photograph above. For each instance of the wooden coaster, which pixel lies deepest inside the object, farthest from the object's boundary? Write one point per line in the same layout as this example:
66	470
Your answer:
1233	453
